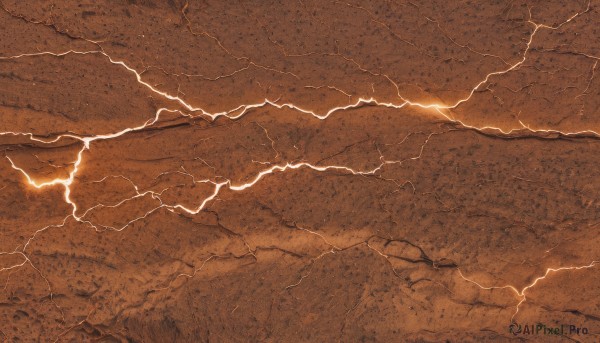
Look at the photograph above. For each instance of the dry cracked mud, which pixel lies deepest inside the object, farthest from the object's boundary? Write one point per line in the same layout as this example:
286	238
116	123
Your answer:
299	171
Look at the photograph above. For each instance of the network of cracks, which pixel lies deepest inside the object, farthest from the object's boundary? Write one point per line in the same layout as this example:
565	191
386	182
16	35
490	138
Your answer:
298	171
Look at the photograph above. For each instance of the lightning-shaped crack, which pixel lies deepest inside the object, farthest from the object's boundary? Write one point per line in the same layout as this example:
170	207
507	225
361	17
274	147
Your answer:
238	112
521	293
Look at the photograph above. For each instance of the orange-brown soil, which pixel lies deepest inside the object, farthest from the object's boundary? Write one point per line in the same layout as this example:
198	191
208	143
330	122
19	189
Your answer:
299	171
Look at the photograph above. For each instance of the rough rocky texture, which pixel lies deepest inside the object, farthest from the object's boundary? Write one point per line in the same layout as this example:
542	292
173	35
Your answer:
299	171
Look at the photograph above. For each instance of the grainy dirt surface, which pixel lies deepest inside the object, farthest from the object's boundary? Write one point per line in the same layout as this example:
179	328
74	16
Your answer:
299	171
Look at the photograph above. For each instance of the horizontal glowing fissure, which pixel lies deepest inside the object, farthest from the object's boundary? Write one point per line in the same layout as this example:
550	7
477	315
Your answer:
361	101
66	182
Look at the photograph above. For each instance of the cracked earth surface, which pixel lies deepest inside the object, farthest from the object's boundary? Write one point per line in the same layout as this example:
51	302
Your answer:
298	171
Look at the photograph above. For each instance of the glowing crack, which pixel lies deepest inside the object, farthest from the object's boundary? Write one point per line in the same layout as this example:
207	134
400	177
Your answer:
521	293
238	112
